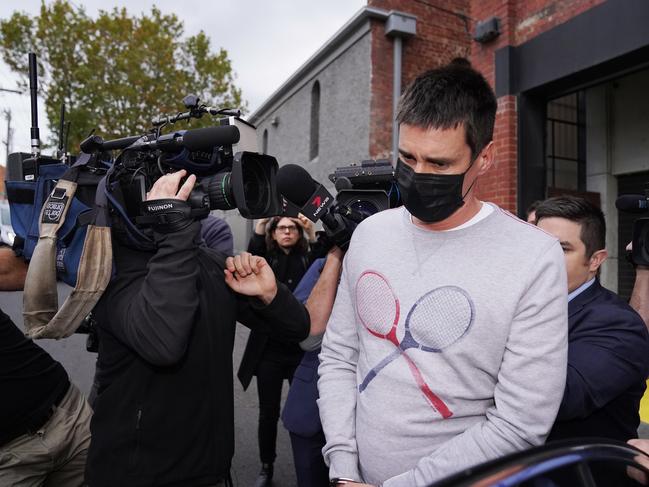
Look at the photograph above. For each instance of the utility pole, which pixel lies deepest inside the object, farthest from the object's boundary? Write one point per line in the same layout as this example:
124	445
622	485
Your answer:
8	140
7	114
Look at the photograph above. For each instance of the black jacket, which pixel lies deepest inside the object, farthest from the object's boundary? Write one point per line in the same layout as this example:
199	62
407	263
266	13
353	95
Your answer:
289	269
164	409
608	363
31	382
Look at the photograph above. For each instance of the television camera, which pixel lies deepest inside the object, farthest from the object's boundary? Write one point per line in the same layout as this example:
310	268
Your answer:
362	190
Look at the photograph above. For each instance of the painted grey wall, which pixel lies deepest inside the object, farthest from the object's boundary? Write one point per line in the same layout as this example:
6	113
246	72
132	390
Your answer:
631	124
617	143
344	79
599	178
344	115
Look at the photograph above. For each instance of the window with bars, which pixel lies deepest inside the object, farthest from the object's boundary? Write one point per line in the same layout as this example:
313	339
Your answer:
566	143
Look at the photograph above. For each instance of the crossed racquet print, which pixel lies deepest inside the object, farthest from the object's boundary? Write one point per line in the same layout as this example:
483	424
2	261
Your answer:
437	320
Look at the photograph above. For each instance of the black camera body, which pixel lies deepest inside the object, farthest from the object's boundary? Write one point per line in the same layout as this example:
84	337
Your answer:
362	190
230	173
636	203
366	188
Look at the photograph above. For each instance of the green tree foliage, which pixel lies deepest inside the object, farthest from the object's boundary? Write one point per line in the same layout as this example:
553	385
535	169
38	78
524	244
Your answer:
115	72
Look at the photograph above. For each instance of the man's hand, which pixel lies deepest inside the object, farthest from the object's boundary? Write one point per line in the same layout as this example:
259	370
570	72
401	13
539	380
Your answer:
252	276
167	187
643	460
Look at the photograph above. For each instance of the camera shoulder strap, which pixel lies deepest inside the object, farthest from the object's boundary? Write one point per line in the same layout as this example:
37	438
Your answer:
42	316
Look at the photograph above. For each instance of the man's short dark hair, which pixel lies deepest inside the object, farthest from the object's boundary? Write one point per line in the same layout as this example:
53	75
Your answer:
450	96
581	211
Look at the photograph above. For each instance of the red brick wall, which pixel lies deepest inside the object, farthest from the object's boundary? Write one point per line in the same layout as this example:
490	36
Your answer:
499	184
442	36
521	21
536	16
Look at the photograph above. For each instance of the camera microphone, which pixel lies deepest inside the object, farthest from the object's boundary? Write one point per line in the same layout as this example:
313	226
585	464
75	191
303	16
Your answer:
632	203
208	137
297	186
203	139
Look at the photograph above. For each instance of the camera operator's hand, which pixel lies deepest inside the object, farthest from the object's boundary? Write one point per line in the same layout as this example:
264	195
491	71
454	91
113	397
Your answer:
166	208
167	187
252	276
307	225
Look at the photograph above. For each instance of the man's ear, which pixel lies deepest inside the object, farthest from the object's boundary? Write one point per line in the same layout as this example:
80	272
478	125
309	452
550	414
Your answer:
486	158
597	259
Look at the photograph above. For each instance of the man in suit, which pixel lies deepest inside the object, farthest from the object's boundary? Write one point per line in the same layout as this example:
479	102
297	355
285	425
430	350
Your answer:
608	350
301	417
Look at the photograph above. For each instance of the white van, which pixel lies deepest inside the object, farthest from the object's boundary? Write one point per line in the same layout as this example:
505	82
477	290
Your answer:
7	234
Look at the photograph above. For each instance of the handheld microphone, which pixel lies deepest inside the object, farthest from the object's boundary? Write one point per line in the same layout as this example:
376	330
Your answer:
297	186
632	203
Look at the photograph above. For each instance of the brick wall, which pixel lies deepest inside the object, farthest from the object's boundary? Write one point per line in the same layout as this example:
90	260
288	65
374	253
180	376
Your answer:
442	36
520	22
536	16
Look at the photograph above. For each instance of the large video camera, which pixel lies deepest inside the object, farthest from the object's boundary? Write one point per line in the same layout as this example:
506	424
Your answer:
362	190
637	203
231	174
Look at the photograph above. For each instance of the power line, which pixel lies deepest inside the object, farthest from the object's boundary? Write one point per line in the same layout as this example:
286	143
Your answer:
11	91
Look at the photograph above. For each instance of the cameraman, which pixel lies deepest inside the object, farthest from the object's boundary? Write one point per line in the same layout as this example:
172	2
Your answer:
164	409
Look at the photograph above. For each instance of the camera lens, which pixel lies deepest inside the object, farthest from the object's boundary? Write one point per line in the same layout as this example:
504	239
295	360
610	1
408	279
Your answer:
255	186
219	189
364	207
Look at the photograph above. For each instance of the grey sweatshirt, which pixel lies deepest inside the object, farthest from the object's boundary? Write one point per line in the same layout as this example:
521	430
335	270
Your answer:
443	350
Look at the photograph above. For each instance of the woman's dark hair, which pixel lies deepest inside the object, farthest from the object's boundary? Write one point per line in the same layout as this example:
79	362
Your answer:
581	211
301	246
450	96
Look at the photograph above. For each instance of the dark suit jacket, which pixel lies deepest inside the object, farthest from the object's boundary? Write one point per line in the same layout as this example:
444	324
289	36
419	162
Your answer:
608	363
300	414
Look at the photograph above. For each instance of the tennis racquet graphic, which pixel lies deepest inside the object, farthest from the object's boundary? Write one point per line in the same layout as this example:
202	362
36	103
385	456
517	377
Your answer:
437	320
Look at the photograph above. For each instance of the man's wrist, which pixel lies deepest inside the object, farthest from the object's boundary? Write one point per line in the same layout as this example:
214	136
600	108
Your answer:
268	297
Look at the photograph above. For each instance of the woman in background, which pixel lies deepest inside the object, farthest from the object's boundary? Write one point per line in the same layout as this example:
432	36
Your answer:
284	243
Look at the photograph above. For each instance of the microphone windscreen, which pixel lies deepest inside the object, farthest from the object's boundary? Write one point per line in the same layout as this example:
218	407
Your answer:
209	137
295	184
118	144
633	203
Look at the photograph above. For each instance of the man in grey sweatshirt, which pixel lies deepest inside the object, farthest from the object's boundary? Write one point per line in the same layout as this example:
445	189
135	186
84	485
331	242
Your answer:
447	344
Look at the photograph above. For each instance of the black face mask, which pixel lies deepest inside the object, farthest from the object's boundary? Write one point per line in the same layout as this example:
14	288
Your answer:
430	197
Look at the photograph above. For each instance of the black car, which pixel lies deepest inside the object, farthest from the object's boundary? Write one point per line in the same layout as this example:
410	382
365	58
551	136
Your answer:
575	463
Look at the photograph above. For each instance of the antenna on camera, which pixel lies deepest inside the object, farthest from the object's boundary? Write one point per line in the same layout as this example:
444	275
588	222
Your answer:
61	153
33	91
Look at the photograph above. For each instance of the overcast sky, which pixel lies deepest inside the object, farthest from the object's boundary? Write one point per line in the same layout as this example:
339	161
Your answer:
267	40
